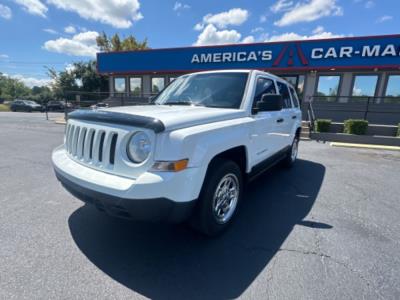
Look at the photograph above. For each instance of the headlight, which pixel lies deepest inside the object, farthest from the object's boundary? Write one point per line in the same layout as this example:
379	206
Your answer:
139	147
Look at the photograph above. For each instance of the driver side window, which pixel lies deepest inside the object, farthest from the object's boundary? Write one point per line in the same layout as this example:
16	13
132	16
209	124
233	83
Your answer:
263	86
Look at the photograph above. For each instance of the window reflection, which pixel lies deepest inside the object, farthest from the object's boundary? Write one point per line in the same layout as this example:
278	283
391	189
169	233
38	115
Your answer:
135	84
365	85
393	86
328	87
119	84
157	84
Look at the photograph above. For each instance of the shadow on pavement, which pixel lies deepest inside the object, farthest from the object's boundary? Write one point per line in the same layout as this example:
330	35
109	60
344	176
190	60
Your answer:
170	261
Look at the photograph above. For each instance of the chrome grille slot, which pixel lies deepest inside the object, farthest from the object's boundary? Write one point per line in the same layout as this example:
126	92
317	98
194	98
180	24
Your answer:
81	141
113	145
101	146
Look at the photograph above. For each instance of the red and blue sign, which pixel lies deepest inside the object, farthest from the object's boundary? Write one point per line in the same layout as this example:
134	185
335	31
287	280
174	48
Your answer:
341	53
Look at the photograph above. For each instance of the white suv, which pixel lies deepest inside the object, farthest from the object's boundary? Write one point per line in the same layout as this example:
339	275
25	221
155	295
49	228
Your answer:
186	155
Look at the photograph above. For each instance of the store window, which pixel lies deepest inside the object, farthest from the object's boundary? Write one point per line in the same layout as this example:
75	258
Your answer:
119	84
365	85
157	84
393	86
328	87
135	84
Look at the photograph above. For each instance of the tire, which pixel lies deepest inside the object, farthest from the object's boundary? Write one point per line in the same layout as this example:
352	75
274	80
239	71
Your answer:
291	156
212	218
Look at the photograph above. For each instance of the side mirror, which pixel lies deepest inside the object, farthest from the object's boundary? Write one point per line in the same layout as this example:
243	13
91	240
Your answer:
269	102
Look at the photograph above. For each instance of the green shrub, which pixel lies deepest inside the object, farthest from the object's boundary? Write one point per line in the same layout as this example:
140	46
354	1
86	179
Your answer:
322	125
353	126
4	107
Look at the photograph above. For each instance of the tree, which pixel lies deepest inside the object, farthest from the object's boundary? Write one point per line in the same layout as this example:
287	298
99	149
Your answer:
116	43
82	78
106	44
11	88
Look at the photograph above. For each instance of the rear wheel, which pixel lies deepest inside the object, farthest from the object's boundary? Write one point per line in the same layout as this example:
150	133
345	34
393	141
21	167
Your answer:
292	153
219	198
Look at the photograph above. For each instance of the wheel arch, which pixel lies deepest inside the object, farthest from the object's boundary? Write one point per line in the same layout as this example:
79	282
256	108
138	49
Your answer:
236	154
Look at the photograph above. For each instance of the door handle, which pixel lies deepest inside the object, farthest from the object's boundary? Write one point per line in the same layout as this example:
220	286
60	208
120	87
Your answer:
294	117
279	120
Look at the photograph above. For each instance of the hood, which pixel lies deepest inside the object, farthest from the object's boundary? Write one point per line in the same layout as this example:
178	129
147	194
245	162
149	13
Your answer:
176	116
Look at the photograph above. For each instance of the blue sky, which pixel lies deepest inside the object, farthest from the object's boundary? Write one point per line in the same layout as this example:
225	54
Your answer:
55	33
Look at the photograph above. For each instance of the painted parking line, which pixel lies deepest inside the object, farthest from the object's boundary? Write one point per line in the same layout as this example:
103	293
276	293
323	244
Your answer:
365	146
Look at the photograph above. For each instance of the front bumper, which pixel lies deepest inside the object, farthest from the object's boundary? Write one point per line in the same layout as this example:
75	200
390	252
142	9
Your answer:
144	198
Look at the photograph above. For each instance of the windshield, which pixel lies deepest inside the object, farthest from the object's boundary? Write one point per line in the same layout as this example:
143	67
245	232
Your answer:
223	90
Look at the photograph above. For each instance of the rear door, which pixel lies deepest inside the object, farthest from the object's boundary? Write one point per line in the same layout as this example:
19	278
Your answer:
296	111
264	138
286	121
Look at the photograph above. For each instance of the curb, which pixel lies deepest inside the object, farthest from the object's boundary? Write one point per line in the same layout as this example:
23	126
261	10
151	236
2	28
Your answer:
365	146
60	121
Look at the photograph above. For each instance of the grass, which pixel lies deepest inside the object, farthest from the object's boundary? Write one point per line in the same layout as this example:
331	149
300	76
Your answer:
4	107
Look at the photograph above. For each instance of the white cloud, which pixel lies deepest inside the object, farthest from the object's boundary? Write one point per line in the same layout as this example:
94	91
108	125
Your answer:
70	29
117	13
384	19
263	18
5	12
257	29
51	31
292	36
248	39
179	6
281	5
31	81
211	36
318	30
34	7
81	44
234	16
310	11
3	56
369	4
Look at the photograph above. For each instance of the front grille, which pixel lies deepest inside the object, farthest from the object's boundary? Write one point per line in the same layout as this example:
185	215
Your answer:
90	145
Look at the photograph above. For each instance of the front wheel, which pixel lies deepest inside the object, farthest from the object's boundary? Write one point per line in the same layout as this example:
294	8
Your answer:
291	156
219	198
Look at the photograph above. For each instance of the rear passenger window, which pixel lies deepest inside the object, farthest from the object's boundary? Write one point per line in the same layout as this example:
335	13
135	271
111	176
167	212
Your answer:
264	86
294	97
284	91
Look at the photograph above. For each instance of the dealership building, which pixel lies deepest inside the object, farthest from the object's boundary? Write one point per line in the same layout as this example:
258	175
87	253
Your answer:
340	74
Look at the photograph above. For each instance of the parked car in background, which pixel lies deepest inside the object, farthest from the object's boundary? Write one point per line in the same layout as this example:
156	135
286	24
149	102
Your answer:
57	105
99	105
26	105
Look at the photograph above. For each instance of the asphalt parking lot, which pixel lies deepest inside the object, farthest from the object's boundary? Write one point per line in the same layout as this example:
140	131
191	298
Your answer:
327	229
